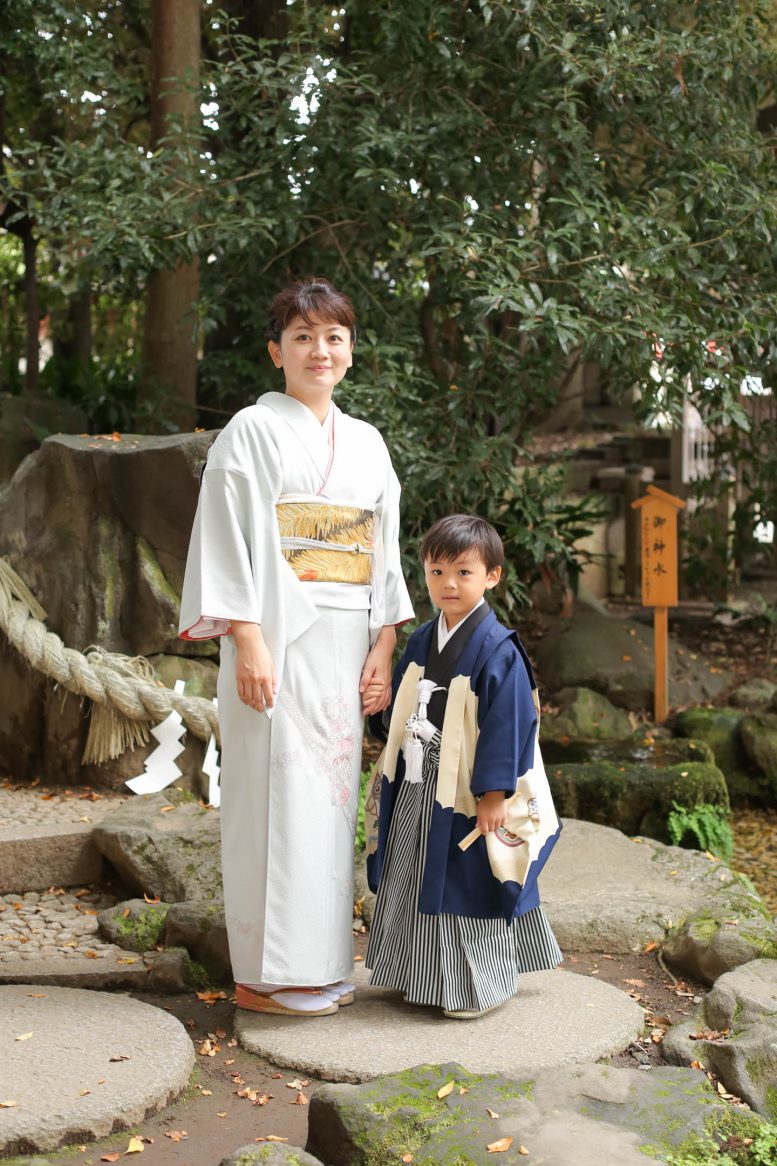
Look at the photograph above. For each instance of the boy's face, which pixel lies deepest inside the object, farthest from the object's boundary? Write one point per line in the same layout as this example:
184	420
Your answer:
456	586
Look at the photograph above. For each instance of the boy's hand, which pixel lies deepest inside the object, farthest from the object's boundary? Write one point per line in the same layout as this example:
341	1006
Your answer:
374	697
491	811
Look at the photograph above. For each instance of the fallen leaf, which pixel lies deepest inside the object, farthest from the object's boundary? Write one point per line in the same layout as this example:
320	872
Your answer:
300	1099
697	1065
277	1076
651	946
407	1157
231	1061
446	1089
626	658
176	1135
275	1138
119	1057
491	1113
210	997
636	983
522	1150
84	1092
125	913
206	1092
221	1033
153	900
90	955
24	1036
167	809
262	1099
500	1146
462	1090
37	995
222	1114
114	1157
295	1084
101	1081
231	1044
135	1146
8	1104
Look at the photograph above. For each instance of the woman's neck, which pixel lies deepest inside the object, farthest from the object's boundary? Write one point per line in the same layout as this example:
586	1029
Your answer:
319	404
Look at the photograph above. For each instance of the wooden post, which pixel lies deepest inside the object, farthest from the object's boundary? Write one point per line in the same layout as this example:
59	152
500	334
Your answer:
658	513
661	644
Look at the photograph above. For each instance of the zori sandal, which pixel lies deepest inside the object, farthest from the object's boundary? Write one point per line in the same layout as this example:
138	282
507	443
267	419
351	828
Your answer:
341	991
286	1001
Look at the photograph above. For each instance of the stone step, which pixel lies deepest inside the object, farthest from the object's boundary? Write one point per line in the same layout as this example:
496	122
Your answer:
46	836
556	1018
91	1065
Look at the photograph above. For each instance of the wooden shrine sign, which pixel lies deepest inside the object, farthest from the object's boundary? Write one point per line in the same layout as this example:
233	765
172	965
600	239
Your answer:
658	528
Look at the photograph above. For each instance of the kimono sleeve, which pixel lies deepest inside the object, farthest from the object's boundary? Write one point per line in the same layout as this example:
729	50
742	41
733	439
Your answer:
507	720
392	605
235	531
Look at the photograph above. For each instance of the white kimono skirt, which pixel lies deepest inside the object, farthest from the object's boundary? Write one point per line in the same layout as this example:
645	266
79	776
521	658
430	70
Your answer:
290	779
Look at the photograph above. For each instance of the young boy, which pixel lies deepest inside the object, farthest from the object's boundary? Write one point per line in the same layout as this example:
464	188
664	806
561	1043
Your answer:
465	819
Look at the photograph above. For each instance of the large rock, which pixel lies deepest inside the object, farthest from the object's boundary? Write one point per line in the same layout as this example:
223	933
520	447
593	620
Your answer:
175	854
615	657
721	730
603	891
589	1115
759	738
270	1154
734	1033
585	714
756	693
25	419
135	925
730	930
201	928
632	796
115	517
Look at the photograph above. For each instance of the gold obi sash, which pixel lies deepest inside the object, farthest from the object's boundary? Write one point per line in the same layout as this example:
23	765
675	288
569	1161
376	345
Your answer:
324	542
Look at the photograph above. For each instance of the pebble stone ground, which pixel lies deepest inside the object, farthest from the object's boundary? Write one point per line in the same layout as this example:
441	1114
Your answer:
59	922
40	806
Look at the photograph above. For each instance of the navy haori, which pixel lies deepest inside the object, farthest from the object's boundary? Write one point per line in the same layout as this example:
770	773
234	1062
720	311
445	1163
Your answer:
486	706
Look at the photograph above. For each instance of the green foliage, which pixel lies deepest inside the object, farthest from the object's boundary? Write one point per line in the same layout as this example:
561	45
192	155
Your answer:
702	827
504	189
733	1152
360	840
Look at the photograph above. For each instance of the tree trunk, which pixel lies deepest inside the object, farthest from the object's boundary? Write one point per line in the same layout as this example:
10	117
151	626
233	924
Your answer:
168	387
32	311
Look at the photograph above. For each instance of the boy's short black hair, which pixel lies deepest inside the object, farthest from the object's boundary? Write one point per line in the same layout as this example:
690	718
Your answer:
456	534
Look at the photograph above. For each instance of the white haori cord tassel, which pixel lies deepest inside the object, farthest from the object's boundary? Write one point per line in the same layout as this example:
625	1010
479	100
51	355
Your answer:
419	729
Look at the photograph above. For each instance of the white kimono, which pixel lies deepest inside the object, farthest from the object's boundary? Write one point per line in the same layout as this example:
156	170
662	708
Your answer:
289	781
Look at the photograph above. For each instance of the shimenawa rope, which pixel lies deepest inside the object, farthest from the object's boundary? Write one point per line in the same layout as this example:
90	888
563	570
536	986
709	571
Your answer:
125	698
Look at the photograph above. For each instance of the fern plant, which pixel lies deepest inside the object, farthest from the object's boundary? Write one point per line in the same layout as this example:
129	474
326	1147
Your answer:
707	825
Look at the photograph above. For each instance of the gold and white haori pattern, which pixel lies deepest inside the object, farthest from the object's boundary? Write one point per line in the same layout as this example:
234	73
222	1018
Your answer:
531	815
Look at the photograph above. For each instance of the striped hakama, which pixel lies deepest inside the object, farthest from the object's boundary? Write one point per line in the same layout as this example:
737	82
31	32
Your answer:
454	961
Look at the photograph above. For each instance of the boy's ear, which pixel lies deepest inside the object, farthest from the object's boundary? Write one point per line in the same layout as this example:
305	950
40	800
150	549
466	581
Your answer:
493	577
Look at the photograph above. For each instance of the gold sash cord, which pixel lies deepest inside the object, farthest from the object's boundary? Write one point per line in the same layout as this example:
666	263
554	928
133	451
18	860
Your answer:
327	543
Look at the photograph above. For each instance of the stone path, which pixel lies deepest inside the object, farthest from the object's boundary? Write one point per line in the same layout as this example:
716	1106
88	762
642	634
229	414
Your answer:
45	836
556	1018
77	1065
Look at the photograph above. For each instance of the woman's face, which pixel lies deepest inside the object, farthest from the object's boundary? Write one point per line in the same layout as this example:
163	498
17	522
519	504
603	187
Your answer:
314	357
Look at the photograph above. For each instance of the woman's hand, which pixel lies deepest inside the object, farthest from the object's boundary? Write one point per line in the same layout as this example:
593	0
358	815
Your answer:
491	811
254	669
375	683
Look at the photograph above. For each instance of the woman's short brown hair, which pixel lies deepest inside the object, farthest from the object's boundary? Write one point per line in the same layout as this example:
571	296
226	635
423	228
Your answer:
313	296
456	534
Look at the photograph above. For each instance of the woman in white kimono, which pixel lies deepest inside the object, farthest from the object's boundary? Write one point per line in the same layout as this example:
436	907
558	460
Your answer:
294	561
